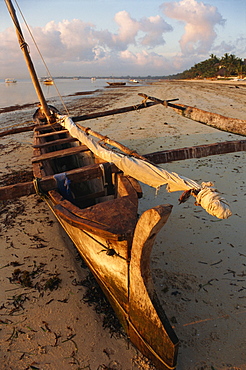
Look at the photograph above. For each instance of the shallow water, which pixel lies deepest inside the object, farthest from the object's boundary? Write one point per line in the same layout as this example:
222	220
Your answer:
22	92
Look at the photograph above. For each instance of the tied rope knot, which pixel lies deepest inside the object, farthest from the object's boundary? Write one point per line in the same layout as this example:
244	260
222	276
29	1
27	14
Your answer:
211	200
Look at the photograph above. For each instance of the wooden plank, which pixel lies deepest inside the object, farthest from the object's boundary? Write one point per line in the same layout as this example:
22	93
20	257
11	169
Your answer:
198	151
49	183
228	124
55	142
52	133
60	153
17	130
112	112
47	127
117	111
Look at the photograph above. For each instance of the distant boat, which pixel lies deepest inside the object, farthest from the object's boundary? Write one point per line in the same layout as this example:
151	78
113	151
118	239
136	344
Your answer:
116	83
93	79
48	81
10	80
134	81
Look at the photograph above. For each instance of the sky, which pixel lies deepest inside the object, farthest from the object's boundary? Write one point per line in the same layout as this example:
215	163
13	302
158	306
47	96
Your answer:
121	38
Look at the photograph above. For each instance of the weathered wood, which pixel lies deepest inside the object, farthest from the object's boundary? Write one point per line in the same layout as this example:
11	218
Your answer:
166	103
117	111
89	172
198	151
17	130
86	117
111	142
228	124
91	229
49	183
107	219
233	125
47	126
116	216
52	133
161	348
60	153
56	142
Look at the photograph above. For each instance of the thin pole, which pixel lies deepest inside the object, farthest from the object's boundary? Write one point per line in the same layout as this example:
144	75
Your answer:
25	50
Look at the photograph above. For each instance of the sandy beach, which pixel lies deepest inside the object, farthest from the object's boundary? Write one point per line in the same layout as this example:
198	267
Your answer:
198	262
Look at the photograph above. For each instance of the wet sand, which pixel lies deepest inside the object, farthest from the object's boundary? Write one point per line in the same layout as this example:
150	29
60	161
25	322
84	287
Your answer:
198	262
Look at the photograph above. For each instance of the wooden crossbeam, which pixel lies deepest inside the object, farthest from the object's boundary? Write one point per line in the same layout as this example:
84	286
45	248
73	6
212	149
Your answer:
53	133
49	183
47	127
55	142
60	153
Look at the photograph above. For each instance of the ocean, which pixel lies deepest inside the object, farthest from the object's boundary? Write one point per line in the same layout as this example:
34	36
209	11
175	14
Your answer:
22	92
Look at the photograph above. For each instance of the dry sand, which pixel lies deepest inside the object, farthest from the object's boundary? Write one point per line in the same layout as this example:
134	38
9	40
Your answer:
198	261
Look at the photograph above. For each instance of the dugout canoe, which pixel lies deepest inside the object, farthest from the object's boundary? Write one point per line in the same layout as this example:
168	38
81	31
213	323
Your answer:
93	192
99	211
97	205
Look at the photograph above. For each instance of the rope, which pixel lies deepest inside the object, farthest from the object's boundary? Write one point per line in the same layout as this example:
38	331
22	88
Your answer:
39	191
41	56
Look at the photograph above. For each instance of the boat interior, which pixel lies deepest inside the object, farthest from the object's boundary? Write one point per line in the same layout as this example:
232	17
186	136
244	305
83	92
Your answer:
97	190
59	153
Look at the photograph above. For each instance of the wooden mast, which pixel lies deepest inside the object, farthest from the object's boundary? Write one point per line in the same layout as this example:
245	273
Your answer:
24	48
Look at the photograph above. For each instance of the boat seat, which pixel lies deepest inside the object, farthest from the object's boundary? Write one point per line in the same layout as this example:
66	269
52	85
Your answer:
47	134
55	142
60	153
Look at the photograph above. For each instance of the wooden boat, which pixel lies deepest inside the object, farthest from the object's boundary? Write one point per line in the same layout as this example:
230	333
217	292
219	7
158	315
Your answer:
96	202
115	84
99	211
133	81
97	205
48	81
10	81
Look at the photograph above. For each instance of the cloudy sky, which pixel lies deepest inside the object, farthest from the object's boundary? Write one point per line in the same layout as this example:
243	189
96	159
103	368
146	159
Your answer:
128	37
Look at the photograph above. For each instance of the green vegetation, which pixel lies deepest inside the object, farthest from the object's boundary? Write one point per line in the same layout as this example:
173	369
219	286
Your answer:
225	67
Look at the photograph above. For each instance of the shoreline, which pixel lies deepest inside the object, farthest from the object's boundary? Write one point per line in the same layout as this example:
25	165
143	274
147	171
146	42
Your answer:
199	271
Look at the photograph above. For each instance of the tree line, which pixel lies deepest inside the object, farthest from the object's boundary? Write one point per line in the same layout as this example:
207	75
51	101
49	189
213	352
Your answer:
227	66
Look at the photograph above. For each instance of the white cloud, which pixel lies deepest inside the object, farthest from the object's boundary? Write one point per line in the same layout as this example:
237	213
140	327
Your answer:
75	42
128	29
200	20
76	46
154	28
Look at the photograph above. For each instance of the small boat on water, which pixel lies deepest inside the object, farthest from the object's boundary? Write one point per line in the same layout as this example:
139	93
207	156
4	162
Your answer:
10	81
48	81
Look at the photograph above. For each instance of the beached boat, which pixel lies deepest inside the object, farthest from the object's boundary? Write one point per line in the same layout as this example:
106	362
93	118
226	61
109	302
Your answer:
97	205
99	211
133	81
93	191
10	81
115	84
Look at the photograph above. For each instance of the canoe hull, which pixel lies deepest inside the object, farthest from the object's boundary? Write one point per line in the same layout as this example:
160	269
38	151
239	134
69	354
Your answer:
113	241
135	304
